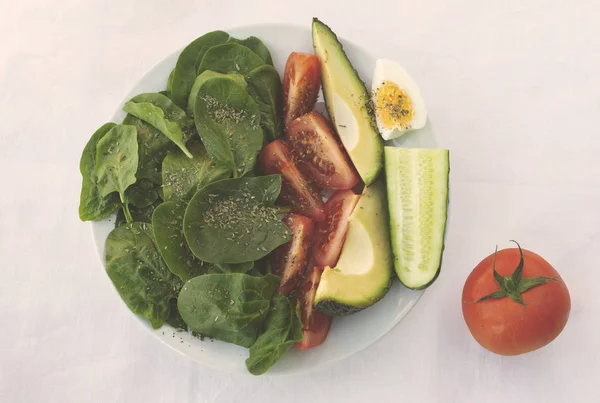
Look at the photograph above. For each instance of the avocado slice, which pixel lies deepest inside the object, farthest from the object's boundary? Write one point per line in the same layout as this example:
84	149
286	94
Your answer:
364	271
348	104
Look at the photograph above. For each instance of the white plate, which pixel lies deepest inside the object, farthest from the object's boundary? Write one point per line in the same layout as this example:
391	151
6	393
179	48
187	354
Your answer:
349	334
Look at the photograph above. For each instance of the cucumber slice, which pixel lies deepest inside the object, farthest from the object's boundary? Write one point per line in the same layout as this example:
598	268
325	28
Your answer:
417	188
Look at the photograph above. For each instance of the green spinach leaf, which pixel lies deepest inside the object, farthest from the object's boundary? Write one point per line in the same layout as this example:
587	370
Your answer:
183	176
231	268
138	214
255	45
93	206
117	160
264	86
167	222
238	78
228	121
173	113
282	330
155	116
153	146
139	274
142	193
175	320
228	307
184	74
230	57
235	220
170	83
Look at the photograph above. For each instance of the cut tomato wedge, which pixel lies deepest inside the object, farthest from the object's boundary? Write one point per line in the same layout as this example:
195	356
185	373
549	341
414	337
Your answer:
301	84
331	232
319	153
316	325
296	190
289	260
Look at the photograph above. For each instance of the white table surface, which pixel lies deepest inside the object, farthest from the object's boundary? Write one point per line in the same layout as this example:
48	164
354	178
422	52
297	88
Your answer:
513	89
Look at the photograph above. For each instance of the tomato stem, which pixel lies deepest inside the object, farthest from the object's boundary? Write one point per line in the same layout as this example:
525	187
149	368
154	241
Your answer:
514	285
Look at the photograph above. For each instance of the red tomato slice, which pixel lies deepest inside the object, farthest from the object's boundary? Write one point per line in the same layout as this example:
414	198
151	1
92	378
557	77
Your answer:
301	84
290	259
316	325
296	190
331	233
319	153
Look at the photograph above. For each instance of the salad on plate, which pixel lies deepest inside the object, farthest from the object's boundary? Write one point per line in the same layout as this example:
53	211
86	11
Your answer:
246	215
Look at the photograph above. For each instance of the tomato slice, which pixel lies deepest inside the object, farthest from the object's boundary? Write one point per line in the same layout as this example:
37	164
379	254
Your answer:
296	190
331	233
289	260
301	84
316	325
319	153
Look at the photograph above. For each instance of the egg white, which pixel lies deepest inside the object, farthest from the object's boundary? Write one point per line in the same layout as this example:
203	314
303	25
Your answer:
388	70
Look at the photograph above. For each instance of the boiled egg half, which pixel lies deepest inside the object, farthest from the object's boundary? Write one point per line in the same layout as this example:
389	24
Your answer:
397	100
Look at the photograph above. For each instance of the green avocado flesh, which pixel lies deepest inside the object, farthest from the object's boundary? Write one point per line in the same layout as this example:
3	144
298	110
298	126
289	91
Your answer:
364	271
348	104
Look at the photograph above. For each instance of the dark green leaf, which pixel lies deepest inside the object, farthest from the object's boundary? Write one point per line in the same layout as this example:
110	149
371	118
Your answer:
235	221
138	272
283	329
167	222
142	193
183	176
264	86
138	215
155	116
518	273
231	268
201	79
175	320
255	45
92	206
228	58
117	160
170	84
228	307
228	121
153	146
187	63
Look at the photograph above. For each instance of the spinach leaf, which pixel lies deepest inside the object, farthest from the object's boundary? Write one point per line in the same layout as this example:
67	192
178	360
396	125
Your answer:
155	116
153	146
230	57
117	160
255	45
175	320
264	86
185	70
170	83
138	214
235	221
173	113
167	222
92	206
182	176
238	78
142	193
228	307
138	272
228	121
282	330
231	268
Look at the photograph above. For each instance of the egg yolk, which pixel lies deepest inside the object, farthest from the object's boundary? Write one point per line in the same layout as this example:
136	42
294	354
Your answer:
394	107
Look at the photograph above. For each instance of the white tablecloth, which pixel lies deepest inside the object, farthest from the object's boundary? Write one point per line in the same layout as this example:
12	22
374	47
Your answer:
513	90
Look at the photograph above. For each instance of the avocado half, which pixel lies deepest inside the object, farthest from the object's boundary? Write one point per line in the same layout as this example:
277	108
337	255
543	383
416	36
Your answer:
364	271
348	104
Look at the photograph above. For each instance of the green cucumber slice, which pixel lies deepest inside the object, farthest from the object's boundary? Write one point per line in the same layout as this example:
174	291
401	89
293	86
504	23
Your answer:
417	188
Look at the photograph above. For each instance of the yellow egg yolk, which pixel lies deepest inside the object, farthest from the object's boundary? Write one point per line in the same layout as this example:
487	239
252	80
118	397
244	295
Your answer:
394	107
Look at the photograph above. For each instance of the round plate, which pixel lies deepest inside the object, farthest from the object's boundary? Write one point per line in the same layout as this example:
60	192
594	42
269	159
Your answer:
349	334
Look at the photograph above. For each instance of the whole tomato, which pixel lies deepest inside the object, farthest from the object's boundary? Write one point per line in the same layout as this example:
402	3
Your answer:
514	302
